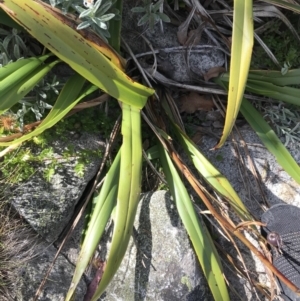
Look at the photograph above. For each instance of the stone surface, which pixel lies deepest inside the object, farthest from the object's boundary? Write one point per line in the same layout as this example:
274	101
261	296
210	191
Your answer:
48	206
159	264
172	61
57	285
277	187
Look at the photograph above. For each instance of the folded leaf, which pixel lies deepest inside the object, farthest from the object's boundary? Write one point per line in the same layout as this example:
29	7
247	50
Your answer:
199	235
67	99
55	32
241	51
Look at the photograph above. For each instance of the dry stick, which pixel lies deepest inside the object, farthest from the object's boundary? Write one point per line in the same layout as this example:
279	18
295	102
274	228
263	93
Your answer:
254	172
273	284
180	49
253	168
239	270
242	258
229	236
153	168
222	221
174	109
112	138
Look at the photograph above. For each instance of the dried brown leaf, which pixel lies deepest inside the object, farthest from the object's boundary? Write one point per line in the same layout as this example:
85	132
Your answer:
193	102
194	36
182	35
213	72
197	137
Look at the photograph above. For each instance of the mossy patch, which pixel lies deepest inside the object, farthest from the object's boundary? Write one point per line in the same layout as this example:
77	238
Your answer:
22	163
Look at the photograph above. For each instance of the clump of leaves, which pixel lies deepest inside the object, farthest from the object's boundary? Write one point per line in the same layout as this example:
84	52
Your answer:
283	45
12	46
153	13
32	107
97	17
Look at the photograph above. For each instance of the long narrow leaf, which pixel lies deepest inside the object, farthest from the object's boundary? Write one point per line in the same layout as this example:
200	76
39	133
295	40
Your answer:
66	100
6	20
292	77
199	235
241	51
270	140
15	66
286	94
17	84
268	137
115	28
293	7
128	193
260	83
54	31
212	175
105	202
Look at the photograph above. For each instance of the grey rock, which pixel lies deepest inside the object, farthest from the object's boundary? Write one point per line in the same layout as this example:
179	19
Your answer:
277	187
172	62
160	264
48	206
32	273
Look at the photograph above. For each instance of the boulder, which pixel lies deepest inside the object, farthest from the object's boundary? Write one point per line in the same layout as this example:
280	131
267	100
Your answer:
32	272
48	206
160	263
173	59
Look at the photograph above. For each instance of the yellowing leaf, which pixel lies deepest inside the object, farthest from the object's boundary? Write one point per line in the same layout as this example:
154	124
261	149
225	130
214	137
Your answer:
193	102
241	50
213	72
54	32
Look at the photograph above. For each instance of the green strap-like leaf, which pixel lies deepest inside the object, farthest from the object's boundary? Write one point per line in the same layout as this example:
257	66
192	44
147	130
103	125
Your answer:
284	4
17	79
271	84
105	203
292	77
9	69
6	20
241	51
67	99
199	235
55	32
270	140
212	175
267	136
128	193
